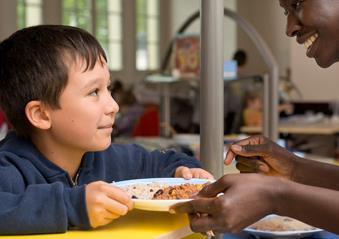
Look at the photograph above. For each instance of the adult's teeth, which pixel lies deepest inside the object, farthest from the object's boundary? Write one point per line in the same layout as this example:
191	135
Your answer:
310	40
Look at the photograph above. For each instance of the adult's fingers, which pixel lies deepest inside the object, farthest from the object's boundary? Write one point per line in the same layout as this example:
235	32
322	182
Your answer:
254	163
229	157
240	147
201	205
244	169
201	223
250	150
219	186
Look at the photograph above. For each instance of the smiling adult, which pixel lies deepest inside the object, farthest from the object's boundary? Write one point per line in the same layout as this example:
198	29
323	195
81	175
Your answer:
279	181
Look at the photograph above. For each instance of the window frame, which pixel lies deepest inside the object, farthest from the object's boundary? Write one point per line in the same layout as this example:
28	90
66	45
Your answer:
28	5
130	44
128	72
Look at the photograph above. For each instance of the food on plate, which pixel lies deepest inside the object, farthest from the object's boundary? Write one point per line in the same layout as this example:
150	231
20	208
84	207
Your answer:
163	191
279	223
143	191
183	191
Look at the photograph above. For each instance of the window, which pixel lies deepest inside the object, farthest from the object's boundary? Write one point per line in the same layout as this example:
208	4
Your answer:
77	13
108	30
129	31
147	34
29	13
103	19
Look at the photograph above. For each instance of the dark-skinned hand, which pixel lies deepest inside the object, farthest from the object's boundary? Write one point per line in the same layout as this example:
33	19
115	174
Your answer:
258	154
246	198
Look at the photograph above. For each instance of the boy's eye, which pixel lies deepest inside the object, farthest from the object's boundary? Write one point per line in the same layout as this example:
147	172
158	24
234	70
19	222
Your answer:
94	92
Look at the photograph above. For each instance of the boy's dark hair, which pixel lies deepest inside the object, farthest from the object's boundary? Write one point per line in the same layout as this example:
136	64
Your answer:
34	65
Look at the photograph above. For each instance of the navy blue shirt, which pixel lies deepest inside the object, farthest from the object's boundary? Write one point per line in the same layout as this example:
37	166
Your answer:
37	196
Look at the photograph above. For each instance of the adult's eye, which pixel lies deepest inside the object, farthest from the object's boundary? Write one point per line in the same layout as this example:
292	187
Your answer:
297	4
286	12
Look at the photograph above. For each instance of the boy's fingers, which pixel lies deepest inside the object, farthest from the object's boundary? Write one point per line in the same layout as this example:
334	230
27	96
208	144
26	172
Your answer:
110	216
120	196
208	175
186	173
201	173
115	207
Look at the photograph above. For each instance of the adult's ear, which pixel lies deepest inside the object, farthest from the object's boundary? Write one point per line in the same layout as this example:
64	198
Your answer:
38	115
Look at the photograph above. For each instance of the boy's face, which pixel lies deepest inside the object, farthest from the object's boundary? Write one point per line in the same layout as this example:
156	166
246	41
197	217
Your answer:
87	110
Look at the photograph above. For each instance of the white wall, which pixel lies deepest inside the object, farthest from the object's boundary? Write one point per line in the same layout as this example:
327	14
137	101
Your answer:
268	19
182	9
7	18
315	83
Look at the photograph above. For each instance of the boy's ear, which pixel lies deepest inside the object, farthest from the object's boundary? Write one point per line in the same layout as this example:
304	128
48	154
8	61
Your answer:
38	115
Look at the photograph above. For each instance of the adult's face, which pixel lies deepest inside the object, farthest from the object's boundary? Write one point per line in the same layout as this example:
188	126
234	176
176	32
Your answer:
314	23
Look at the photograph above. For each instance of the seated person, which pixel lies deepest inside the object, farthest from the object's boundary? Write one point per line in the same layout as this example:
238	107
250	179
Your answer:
57	165
252	115
130	113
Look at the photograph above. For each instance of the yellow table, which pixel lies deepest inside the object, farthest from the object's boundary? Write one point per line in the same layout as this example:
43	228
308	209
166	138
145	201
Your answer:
136	225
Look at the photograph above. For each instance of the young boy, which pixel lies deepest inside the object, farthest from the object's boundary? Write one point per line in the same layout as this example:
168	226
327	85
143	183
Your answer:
56	169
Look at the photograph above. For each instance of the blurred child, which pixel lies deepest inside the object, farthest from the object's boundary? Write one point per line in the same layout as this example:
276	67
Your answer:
130	112
57	166
252	114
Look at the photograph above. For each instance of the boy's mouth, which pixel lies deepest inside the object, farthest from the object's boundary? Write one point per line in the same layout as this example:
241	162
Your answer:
108	126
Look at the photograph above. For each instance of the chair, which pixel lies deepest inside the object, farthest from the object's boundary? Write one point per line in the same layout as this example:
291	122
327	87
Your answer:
149	122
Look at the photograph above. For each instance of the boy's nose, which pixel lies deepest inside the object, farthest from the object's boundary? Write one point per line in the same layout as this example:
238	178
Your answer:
112	106
115	106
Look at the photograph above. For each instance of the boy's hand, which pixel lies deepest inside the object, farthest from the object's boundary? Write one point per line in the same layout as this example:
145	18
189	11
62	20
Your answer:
188	173
105	203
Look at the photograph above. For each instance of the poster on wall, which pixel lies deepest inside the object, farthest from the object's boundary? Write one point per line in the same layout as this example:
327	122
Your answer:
186	56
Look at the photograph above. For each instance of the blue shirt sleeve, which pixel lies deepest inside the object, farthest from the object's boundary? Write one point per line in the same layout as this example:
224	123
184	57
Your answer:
38	208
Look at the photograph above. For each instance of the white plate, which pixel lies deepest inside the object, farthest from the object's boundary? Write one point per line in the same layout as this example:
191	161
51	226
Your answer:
280	234
158	205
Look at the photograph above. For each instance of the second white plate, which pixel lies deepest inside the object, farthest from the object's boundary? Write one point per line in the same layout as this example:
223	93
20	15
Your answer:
280	234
